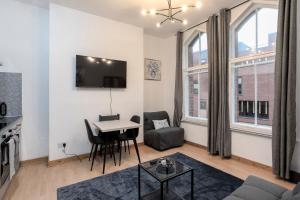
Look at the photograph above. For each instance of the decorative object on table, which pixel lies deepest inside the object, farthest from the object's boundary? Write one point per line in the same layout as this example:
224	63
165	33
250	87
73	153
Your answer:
171	12
165	166
152	69
210	183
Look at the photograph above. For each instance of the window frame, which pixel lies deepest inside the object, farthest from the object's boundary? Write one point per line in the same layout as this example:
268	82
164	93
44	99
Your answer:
237	24
186	71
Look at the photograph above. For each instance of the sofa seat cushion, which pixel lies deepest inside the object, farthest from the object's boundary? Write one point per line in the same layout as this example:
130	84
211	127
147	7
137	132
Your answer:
248	192
164	138
269	187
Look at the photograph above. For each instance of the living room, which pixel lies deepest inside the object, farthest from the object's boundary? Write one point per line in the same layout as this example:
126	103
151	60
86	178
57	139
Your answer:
206	92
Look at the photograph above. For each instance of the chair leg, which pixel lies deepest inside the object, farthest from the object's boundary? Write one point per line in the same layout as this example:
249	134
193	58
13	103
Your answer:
119	144
95	152
128	146
125	145
110	151
101	148
104	159
113	153
120	153
91	152
137	150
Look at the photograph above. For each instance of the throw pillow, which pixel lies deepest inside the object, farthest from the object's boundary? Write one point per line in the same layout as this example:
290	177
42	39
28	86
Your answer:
158	124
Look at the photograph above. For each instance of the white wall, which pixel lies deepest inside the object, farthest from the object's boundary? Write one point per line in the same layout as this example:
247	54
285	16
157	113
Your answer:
24	48
73	32
159	95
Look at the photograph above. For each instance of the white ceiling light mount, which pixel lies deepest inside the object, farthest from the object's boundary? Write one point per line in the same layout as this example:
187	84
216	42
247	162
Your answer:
171	12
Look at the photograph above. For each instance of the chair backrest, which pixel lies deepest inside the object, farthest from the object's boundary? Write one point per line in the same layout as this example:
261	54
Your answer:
89	131
150	116
109	117
133	133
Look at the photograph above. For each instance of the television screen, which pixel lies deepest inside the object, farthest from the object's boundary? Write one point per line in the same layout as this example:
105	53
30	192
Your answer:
100	72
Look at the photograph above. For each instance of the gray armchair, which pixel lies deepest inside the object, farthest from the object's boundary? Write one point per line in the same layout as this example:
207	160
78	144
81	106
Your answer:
164	138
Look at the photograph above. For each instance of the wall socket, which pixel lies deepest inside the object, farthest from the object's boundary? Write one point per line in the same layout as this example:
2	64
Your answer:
61	145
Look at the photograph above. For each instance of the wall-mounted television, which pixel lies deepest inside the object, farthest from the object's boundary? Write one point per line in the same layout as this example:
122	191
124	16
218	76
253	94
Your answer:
100	72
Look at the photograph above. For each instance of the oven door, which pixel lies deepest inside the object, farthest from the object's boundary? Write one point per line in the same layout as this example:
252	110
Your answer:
4	161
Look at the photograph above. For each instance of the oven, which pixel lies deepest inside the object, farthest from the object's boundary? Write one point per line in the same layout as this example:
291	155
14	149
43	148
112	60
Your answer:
4	160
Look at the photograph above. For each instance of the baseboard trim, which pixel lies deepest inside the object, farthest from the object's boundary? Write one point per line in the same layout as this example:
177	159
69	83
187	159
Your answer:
34	161
234	157
196	145
53	163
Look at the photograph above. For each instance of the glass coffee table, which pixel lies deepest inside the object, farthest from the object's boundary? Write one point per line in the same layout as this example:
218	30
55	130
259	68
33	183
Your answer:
163	170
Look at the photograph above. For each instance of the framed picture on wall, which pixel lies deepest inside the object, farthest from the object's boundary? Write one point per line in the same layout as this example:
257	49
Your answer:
152	69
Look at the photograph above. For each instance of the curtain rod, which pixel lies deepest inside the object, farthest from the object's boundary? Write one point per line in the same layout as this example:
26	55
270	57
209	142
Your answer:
207	19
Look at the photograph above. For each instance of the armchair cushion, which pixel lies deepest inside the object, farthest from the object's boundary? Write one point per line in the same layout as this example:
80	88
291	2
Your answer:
164	138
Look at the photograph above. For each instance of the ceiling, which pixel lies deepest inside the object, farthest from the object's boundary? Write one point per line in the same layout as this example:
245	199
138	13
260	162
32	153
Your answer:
129	11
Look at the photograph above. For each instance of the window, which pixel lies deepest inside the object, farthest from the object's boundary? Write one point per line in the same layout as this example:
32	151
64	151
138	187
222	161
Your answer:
240	85
196	78
253	68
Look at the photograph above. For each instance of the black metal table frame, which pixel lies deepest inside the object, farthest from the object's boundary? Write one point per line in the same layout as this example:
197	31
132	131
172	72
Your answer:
162	182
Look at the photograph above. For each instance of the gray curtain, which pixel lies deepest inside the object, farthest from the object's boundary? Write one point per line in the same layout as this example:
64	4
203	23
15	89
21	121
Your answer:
284	117
178	98
219	134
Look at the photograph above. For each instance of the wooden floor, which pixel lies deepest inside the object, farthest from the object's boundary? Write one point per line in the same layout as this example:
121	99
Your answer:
36	181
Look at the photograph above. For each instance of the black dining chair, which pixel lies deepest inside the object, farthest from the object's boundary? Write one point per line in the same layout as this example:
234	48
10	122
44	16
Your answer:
103	141
130	135
113	134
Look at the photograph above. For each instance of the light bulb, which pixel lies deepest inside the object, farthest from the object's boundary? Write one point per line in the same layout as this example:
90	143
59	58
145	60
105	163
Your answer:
184	22
144	12
91	59
108	62
157	25
198	4
103	59
184	8
173	21
152	11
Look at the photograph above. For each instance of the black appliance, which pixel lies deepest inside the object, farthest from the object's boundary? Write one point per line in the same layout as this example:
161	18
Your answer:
100	72
3	109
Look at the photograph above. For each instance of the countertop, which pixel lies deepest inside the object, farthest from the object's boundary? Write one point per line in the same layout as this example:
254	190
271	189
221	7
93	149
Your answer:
7	121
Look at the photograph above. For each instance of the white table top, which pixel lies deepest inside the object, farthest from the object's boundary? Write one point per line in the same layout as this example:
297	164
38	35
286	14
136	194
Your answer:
115	125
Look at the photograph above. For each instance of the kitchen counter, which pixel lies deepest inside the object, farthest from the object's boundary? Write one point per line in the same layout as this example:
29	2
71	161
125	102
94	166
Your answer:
7	121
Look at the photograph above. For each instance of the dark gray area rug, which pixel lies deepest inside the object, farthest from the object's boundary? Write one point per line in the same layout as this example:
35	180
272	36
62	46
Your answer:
209	184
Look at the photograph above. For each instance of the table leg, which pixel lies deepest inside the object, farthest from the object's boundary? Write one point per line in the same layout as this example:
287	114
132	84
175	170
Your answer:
192	184
162	191
139	181
167	187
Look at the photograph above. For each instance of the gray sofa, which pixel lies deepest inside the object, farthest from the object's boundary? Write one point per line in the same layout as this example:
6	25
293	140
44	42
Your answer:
255	188
164	138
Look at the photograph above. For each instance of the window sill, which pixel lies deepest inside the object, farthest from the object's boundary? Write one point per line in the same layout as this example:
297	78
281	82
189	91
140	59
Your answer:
262	131
195	121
